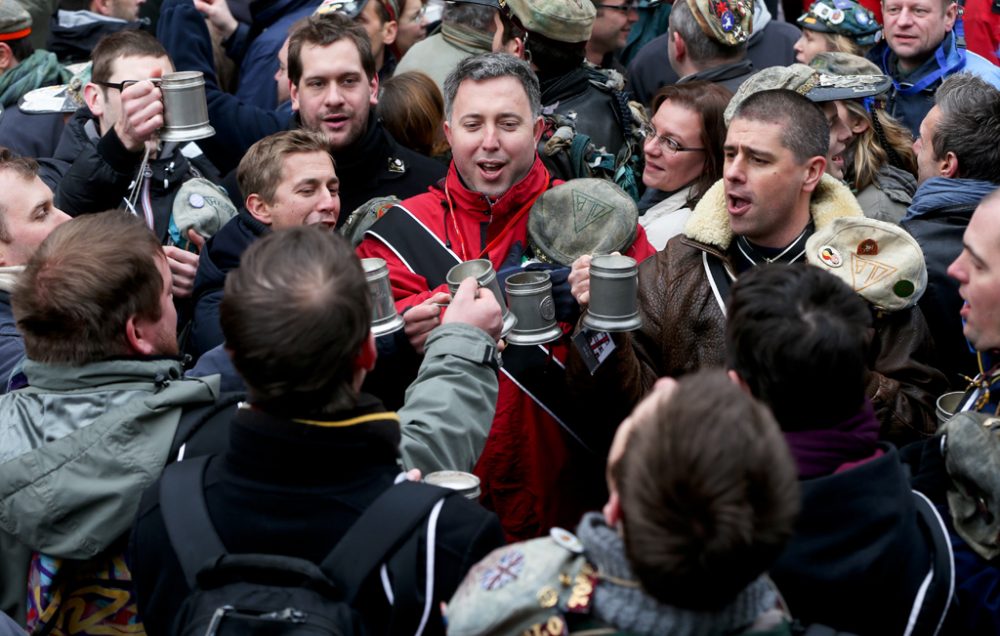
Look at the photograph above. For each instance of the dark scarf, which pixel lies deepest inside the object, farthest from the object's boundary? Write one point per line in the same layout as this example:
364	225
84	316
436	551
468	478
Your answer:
821	452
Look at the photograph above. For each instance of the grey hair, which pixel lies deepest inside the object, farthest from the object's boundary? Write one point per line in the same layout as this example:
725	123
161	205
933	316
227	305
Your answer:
969	126
474	16
489	66
700	47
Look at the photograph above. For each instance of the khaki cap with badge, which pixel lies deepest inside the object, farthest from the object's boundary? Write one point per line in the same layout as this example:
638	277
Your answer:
581	216
569	21
15	21
878	260
810	83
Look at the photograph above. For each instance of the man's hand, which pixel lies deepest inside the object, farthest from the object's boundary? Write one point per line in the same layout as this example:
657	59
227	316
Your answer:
477	309
220	19
579	280
183	265
142	113
421	319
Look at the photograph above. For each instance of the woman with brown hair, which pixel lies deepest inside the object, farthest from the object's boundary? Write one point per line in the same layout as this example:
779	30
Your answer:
412	110
879	163
683	152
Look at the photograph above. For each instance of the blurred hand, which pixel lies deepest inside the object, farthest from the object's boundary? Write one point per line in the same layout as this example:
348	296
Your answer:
579	280
142	113
220	18
567	309
479	309
183	267
421	319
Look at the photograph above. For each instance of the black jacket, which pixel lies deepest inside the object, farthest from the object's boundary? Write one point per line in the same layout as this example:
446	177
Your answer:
772	46
102	169
220	255
377	166
74	34
598	113
862	548
290	488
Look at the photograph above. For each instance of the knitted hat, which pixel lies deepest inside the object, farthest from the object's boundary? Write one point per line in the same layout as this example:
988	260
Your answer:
878	260
581	216
972	458
807	81
728	22
15	22
843	17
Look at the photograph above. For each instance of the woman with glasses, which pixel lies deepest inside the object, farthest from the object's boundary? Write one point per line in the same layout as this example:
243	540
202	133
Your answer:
683	152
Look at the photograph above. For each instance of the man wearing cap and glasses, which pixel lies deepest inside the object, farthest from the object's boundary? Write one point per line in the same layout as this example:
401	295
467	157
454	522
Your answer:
612	24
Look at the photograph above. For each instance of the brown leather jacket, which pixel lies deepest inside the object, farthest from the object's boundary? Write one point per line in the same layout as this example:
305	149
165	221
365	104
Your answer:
683	328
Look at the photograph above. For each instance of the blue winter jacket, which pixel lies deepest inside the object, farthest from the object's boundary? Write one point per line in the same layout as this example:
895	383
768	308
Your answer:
912	96
237	124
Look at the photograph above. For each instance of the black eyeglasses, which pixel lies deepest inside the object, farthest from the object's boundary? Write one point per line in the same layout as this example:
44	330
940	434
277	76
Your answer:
667	144
624	8
120	86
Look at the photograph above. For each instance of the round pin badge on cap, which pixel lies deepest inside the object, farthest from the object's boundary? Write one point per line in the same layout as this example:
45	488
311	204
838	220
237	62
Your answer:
837	17
196	200
830	256
861	16
566	539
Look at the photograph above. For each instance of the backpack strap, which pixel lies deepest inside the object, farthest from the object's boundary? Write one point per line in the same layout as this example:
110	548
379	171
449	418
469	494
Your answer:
185	515
387	521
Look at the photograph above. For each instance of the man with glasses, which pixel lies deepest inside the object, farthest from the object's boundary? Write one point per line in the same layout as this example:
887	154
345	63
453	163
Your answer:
113	157
612	24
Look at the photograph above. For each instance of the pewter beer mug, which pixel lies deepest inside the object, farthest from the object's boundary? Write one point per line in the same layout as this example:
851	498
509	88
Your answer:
529	296
185	111
384	317
614	294
482	270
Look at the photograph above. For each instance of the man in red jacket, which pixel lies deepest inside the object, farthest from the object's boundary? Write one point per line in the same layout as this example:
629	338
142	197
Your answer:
540	461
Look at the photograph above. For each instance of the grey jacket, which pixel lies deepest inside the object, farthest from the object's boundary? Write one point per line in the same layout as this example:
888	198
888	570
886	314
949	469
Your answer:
449	408
77	449
888	197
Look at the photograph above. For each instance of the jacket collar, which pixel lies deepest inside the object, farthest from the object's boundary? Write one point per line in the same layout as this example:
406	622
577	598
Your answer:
520	194
53	377
709	222
314	450
720	73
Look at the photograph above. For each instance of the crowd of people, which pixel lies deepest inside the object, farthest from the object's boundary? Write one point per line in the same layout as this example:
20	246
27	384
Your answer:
205	428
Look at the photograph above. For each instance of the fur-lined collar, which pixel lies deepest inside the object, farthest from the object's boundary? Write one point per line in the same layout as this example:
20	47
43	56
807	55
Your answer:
709	223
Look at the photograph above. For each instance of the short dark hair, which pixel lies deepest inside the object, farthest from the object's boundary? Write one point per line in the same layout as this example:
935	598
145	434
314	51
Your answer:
487	66
709	101
26	168
262	168
83	284
799	337
700	47
295	314
708	492
324	30
969	126
124	43
805	129
21	48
